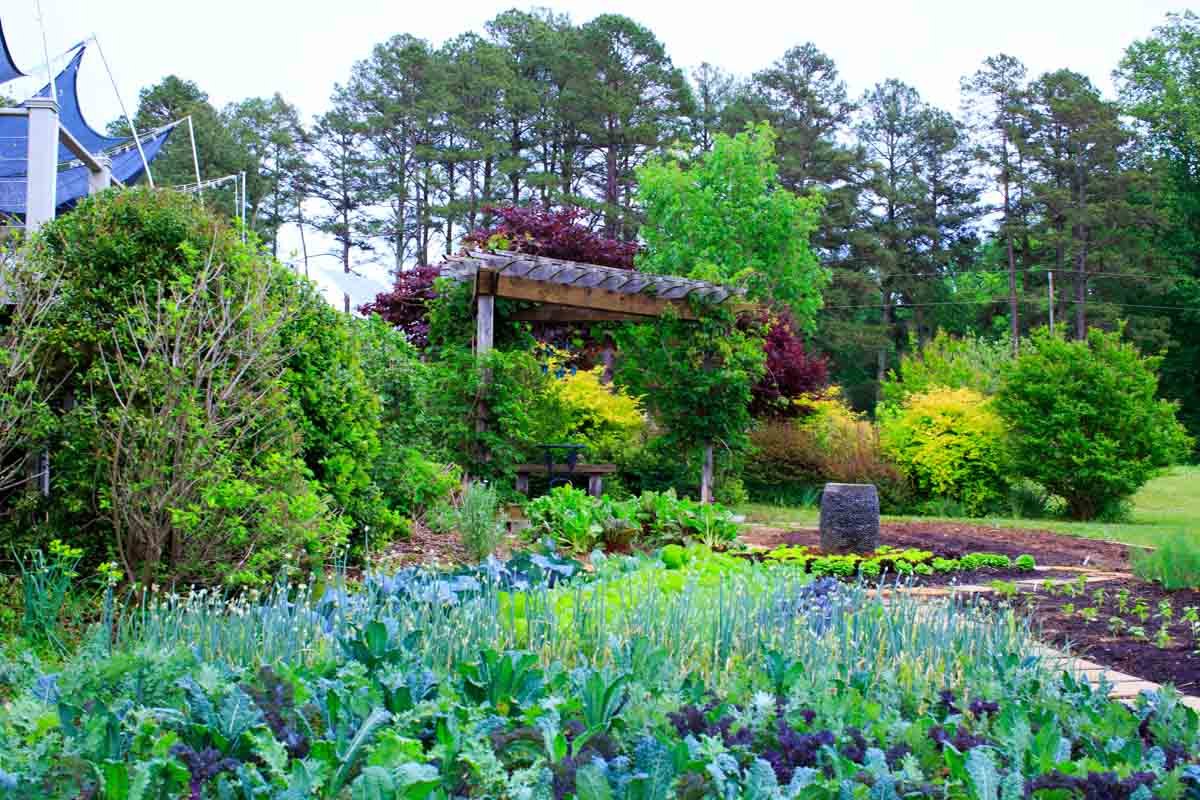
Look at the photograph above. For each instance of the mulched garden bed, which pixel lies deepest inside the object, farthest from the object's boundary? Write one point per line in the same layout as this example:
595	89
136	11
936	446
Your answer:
952	539
1177	663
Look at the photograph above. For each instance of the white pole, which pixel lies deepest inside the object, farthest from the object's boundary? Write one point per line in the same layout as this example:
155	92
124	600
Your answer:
195	157
243	207
46	52
136	139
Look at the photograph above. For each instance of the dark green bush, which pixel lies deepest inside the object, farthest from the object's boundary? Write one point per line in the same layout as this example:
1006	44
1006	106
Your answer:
1085	421
337	411
176	446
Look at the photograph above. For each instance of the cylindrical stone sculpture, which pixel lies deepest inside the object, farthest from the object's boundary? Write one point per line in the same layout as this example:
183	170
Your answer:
849	518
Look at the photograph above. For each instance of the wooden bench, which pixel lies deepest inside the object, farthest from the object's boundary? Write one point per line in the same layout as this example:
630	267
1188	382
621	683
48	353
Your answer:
595	474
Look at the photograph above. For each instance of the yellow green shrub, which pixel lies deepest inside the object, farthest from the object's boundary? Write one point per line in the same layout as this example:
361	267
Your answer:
599	415
950	443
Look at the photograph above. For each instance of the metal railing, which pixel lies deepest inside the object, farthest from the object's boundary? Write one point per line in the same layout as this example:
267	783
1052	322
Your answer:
41	173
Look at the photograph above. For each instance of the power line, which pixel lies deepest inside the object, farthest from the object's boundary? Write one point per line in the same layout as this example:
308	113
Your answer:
1029	271
1027	300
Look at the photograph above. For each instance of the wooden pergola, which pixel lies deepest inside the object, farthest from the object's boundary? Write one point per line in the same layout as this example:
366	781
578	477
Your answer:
569	291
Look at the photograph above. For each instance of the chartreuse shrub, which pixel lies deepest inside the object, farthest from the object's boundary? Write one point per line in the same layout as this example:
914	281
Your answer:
603	417
950	444
1086	422
967	362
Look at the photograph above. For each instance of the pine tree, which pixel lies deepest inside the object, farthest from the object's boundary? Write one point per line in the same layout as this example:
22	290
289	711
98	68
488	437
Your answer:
339	180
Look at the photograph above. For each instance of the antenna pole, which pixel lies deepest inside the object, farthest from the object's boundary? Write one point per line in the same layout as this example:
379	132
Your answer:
195	157
46	53
136	139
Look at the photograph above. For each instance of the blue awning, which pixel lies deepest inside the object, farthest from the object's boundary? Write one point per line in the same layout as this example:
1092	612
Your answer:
70	114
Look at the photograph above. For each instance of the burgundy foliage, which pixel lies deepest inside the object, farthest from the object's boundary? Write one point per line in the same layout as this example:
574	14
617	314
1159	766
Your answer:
555	233
406	306
791	372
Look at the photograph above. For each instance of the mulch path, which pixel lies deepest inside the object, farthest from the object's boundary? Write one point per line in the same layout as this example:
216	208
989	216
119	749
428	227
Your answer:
952	539
425	546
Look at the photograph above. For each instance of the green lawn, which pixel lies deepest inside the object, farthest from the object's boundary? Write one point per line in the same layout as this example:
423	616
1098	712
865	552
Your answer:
1167	506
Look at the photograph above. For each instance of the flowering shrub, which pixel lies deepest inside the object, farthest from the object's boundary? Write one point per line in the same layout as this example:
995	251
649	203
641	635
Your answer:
950	444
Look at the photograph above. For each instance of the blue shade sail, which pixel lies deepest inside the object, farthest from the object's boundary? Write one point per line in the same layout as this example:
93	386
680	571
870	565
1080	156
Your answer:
14	131
73	181
8	70
70	115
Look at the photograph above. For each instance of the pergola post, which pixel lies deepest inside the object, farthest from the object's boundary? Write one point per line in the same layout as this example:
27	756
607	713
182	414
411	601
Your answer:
485	326
101	179
41	182
485	311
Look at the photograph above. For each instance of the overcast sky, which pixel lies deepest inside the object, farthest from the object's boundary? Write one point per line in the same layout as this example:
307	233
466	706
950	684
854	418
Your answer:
241	48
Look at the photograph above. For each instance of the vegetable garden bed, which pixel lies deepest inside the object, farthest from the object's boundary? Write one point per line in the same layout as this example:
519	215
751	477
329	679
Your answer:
1124	624
720	678
955	538
1118	623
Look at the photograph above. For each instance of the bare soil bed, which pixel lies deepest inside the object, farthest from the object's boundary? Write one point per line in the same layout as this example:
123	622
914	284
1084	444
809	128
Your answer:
953	539
1177	662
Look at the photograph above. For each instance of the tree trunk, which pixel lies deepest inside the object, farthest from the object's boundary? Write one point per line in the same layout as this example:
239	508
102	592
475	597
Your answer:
706	475
300	225
1081	235
882	366
449	207
346	263
515	151
1014	320
611	196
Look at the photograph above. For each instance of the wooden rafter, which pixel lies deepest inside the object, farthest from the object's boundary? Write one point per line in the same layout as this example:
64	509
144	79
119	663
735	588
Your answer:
619	293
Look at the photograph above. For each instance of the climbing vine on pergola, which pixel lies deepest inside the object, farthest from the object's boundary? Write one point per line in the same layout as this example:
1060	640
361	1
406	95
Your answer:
571	292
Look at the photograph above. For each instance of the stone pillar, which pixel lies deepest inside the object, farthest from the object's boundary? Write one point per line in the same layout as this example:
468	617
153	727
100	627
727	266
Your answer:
42	178
99	181
849	518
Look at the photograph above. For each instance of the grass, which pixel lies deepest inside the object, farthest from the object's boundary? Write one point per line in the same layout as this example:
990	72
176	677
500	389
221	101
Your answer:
1167	507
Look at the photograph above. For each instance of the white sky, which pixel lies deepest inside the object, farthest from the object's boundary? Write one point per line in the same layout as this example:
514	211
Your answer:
242	48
